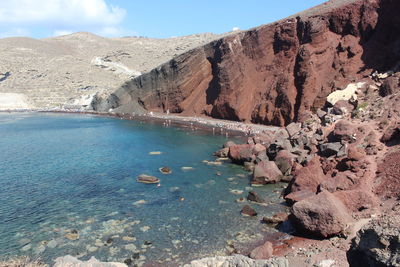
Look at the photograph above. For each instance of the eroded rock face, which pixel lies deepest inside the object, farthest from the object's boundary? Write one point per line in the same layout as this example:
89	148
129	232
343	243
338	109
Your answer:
273	73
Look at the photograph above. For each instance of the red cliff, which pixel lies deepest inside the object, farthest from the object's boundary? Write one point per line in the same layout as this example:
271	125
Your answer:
272	73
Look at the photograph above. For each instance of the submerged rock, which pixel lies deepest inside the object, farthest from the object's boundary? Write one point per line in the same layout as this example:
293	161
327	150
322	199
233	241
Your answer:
165	170
248	211
147	179
253	196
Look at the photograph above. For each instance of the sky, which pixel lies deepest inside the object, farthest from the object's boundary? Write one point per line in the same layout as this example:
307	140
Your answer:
151	18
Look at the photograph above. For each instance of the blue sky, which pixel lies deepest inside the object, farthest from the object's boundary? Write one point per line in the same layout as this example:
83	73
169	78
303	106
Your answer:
155	18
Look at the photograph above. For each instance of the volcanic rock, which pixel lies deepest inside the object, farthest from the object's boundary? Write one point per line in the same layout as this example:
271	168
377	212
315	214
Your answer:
322	215
266	172
307	177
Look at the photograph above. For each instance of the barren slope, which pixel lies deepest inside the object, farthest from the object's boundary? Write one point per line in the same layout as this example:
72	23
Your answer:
53	71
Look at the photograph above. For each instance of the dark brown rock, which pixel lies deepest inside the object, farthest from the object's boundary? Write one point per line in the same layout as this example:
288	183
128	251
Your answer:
389	86
266	172
322	215
248	211
253	196
276	218
222	153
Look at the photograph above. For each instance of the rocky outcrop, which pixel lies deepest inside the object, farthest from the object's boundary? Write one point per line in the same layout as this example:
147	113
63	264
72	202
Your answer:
273	73
377	243
238	261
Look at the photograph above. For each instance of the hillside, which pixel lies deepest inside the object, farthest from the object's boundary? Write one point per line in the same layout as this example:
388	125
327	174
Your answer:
59	71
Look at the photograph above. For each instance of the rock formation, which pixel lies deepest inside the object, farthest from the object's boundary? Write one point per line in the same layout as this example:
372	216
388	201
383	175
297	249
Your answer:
273	73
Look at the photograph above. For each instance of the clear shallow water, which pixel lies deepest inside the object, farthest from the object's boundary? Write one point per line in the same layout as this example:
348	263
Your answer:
67	175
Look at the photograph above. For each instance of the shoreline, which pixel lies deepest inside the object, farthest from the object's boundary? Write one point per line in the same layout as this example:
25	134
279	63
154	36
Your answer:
209	124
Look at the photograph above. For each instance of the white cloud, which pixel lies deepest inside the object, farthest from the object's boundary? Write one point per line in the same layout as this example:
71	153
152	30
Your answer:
61	32
235	29
60	13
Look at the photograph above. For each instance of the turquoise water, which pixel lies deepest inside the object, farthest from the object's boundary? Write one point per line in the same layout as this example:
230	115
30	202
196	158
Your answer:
68	186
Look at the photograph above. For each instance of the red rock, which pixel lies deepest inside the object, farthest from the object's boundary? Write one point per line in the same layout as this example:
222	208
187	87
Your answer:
241	153
229	144
355	153
266	172
357	200
322	215
344	131
264	251
342	181
274	73
388	182
298	196
308	177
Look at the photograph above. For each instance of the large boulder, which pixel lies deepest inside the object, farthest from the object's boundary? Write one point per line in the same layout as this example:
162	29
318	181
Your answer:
307	177
266	172
262	252
322	215
377	243
241	153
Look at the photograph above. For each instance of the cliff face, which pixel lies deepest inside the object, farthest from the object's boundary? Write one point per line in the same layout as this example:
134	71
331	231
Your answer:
272	73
